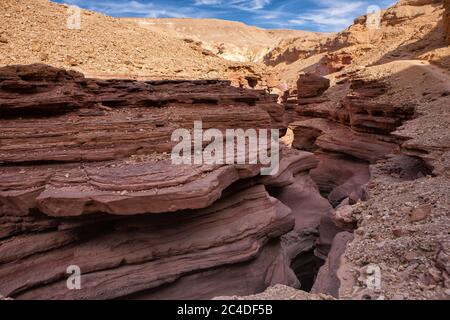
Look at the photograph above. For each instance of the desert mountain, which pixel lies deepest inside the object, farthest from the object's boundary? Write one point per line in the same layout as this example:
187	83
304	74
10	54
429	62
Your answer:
234	41
34	31
409	30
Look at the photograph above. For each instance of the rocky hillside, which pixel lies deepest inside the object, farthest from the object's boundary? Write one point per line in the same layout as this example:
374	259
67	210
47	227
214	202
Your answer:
378	124
234	41
409	30
35	31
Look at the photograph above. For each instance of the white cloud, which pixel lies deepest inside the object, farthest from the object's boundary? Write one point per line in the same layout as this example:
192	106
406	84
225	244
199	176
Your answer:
297	22
332	15
207	2
237	4
139	9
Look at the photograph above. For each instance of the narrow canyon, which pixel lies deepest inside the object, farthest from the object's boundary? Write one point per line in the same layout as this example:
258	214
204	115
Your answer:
87	180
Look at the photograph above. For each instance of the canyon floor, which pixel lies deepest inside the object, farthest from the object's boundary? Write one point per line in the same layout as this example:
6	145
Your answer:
359	208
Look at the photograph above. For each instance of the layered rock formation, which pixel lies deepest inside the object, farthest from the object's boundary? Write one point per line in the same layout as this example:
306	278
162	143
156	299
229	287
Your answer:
103	46
327	281
87	181
447	20
231	40
374	136
86	178
310	85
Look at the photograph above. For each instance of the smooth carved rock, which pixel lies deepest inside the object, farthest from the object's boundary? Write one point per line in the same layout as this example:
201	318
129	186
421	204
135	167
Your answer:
339	177
359	108
83	119
330	136
303	197
86	180
310	85
327	281
118	188
270	268
143	252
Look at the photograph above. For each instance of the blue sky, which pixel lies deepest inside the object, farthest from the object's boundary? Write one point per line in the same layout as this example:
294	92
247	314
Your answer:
314	15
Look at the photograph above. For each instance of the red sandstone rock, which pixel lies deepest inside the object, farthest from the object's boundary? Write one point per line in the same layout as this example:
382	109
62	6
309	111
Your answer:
343	217
335	61
310	85
85	180
144	252
339	177
327	135
447	20
303	197
327	281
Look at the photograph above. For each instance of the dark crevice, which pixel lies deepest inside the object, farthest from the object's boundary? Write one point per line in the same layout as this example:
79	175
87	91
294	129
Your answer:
306	266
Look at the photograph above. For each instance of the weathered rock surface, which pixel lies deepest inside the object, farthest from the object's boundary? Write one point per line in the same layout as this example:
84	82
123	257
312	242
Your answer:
310	85
103	135
357	130
327	135
143	252
327	281
106	46
86	181
281	292
447	20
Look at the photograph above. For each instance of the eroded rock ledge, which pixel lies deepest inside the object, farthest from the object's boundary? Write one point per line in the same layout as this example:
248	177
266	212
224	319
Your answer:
86	180
374	145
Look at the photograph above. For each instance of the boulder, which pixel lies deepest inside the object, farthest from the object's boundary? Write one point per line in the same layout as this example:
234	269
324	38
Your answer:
310	85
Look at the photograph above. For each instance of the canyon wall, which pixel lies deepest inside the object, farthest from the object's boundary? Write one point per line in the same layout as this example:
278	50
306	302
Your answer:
447	20
230	40
379	135
86	180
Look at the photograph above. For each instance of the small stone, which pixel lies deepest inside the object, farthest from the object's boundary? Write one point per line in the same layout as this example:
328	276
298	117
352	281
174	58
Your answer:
435	273
420	213
71	61
3	40
43	56
410	256
35	46
398	233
